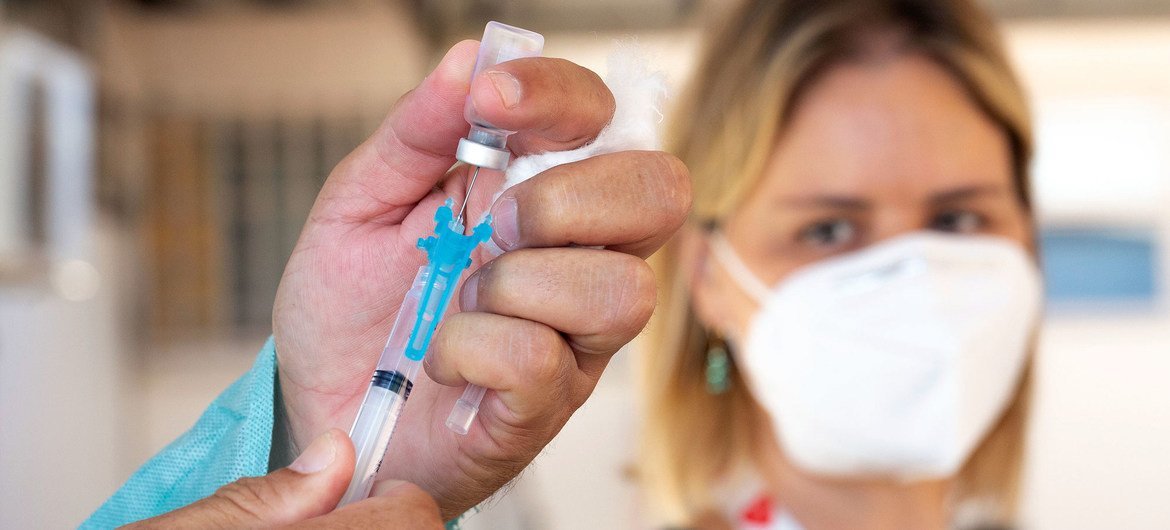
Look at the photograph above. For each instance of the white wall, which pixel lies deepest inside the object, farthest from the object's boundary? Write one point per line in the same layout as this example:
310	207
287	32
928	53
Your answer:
63	430
311	61
1101	427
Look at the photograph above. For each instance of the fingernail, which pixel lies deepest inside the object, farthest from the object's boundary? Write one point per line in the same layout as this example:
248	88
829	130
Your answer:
506	231
317	456
469	294
507	86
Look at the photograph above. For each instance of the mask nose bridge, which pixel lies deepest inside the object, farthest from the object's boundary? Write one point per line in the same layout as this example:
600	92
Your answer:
882	274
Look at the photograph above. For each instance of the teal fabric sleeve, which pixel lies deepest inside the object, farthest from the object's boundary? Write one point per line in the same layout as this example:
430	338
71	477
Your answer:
232	439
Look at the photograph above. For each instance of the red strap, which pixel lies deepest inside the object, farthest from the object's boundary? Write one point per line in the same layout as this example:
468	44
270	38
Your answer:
759	512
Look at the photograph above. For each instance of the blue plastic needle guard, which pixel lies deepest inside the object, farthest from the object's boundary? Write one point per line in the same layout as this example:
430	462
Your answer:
448	255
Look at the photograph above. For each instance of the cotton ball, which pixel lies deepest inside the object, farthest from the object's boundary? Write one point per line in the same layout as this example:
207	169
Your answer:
639	94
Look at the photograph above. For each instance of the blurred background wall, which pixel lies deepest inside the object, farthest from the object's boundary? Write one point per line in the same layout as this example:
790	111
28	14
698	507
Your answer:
214	122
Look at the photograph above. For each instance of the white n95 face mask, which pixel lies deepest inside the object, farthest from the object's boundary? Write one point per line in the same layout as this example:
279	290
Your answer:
892	361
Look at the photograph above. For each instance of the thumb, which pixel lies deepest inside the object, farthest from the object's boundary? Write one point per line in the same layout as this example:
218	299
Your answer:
411	150
310	486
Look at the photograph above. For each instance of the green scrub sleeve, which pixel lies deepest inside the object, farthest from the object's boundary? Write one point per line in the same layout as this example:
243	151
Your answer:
232	439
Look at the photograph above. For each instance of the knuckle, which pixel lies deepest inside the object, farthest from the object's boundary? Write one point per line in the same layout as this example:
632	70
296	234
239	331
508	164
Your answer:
564	200
425	517
578	81
496	283
410	504
630	295
250	496
580	391
672	184
436	362
644	296
415	496
545	205
558	72
602	98
539	352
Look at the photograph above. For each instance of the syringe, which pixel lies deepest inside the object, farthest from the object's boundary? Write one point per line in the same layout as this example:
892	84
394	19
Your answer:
448	255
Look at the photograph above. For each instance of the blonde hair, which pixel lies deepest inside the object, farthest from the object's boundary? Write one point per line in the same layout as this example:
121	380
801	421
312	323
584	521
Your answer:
726	128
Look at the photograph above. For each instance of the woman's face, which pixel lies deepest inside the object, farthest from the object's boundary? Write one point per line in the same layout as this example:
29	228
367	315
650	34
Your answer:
871	151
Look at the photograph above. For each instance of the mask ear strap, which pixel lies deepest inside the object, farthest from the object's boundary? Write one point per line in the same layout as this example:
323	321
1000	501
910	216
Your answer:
743	276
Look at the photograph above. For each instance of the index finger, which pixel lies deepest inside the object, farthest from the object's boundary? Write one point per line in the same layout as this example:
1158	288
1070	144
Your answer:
631	202
552	104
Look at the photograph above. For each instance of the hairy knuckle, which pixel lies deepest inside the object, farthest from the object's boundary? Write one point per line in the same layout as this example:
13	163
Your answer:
583	83
580	391
602	98
558	73
498	285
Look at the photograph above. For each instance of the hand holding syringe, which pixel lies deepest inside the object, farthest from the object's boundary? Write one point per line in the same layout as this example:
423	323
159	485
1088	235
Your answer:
448	256
543	319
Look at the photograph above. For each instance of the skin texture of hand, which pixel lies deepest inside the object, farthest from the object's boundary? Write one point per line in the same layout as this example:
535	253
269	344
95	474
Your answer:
538	324
303	495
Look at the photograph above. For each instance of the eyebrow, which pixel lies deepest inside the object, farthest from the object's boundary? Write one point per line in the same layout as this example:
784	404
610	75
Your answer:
839	202
966	193
845	202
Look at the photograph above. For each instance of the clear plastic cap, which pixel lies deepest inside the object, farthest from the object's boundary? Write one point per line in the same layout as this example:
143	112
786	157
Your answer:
500	43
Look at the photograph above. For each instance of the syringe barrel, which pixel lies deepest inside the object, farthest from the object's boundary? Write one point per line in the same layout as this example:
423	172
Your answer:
389	388
394	357
501	43
371	434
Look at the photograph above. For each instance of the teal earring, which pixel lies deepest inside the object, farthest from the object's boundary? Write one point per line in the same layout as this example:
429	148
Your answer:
718	365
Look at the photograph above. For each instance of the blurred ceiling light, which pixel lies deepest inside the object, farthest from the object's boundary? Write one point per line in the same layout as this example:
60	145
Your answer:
75	280
1078	8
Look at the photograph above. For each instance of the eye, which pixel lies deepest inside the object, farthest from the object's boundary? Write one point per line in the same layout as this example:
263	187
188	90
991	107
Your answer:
959	222
829	233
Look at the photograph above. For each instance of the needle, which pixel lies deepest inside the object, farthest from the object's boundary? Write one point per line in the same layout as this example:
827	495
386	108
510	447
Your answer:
459	218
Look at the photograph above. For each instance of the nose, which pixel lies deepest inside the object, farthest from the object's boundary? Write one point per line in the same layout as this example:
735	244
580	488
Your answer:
896	220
